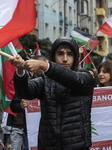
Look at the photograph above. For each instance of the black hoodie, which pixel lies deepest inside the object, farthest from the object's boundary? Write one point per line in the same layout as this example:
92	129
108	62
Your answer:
65	97
72	43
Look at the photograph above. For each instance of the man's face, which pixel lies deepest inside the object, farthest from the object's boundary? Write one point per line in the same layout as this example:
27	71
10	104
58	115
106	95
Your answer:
64	57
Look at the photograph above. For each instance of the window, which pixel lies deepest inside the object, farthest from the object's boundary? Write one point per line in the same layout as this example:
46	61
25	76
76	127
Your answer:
75	17
84	7
60	17
60	32
65	8
70	15
46	3
110	11
78	8
46	30
110	41
100	23
54	5
60	6
85	30
54	33
100	3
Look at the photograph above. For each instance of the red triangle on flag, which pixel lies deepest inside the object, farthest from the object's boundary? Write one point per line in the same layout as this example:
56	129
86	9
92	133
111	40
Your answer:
93	43
8	110
17	44
87	59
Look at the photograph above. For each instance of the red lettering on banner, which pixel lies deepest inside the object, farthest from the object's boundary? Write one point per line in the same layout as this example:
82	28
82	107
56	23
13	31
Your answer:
34	106
102	97
34	148
101	145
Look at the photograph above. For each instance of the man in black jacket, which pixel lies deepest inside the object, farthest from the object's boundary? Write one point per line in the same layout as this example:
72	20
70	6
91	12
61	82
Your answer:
65	95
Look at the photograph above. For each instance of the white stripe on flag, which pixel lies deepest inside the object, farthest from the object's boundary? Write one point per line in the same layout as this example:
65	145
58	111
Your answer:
80	36
7	8
6	98
11	47
109	21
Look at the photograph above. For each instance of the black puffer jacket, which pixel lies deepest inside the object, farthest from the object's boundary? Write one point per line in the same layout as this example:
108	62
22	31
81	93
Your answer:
66	98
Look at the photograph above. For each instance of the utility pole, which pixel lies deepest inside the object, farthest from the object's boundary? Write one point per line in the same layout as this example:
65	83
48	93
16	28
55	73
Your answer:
64	20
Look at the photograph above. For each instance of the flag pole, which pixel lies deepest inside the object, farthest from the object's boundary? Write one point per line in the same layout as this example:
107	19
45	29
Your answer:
85	57
5	54
93	65
86	44
91	37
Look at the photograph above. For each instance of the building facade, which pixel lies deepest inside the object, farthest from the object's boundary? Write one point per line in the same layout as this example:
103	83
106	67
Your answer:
109	14
101	17
57	18
86	16
36	30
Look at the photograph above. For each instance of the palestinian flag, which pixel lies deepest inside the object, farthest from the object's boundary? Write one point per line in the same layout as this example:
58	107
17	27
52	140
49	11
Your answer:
83	38
17	17
6	75
87	60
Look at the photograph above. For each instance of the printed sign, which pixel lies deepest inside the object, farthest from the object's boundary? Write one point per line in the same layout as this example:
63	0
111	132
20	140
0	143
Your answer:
101	120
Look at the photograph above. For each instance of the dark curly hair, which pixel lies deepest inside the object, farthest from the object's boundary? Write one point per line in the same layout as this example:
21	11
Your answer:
108	67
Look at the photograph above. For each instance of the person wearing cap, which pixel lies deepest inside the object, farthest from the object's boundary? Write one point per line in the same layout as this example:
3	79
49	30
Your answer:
65	95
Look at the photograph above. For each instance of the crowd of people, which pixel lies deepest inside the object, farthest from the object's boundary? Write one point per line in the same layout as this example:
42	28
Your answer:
65	94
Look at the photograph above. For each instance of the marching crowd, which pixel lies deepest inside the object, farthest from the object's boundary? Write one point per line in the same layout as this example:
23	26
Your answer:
65	94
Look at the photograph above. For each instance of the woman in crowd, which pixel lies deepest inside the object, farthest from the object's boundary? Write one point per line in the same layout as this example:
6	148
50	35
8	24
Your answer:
105	74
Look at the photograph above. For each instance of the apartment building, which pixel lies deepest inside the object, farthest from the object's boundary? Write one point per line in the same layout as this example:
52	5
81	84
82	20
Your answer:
36	29
86	16
109	14
101	17
57	18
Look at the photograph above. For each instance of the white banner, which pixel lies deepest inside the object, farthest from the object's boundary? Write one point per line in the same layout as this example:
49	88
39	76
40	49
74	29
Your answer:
32	120
101	117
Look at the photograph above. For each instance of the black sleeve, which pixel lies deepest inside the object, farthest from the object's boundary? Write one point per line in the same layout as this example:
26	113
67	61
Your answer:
79	81
28	88
15	104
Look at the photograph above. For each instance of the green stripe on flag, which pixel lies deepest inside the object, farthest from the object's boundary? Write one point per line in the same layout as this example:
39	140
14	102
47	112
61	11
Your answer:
5	103
87	66
8	51
81	41
18	50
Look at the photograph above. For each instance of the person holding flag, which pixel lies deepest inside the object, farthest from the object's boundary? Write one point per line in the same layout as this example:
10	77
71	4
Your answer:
65	95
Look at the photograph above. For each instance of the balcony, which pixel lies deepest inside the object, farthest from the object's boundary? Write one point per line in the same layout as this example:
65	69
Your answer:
100	11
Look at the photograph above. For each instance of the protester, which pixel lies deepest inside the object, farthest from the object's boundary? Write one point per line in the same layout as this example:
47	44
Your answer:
65	95
18	130
17	105
105	74
6	129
